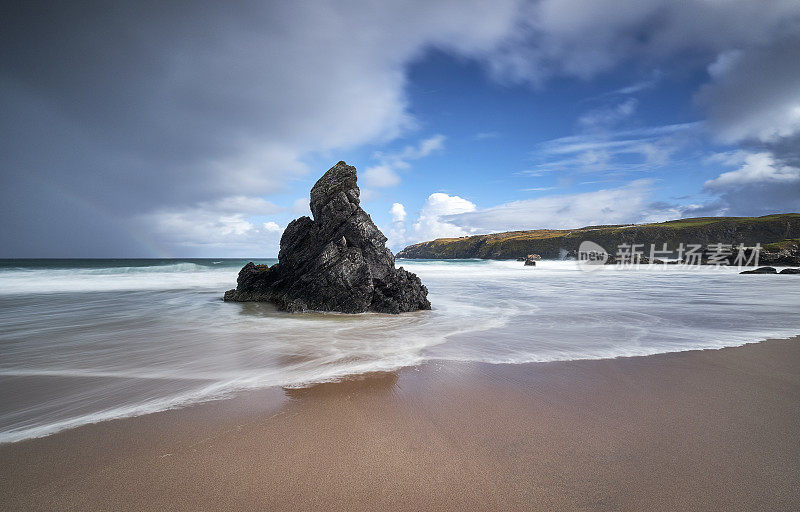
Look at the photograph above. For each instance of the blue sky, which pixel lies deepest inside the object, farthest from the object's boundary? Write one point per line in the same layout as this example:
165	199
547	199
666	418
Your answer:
142	130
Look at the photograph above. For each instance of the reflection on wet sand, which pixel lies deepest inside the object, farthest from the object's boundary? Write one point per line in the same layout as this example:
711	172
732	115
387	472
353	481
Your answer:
370	383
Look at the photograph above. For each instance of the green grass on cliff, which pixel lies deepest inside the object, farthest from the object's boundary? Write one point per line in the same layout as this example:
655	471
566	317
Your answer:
702	221
515	243
789	243
540	234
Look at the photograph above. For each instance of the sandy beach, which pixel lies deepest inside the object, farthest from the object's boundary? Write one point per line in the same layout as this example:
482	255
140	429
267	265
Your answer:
701	430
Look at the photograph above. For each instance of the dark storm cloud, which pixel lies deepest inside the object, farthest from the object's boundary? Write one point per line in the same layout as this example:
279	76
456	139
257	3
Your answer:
116	111
111	110
754	94
754	100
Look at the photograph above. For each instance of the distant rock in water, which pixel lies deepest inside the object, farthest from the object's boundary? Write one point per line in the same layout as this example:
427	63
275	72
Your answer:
531	259
336	262
761	270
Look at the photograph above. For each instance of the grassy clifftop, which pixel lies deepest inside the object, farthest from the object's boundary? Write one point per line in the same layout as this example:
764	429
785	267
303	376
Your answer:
552	243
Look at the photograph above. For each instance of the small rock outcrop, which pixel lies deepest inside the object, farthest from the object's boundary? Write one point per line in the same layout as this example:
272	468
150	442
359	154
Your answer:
790	271
761	270
336	262
531	259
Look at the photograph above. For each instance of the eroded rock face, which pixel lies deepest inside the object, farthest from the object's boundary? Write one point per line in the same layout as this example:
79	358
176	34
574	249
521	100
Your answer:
336	262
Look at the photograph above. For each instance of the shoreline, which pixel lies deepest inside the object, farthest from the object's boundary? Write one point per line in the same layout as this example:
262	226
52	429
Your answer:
708	429
183	403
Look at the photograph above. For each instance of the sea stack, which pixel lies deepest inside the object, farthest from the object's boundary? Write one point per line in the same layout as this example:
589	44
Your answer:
336	262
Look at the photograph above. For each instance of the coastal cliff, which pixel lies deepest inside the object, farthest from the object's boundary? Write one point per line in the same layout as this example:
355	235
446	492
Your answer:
551	243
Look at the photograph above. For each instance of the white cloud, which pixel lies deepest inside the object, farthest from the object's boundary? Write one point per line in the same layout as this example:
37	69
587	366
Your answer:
241	204
223	227
444	216
626	204
612	151
368	194
640	85
425	148
608	116
431	224
583	39
381	176
761	184
272	227
385	174
200	231
537	189
396	235
398	212
757	168
301	206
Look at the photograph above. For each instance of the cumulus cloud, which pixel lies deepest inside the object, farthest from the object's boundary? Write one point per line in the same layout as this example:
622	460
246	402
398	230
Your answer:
203	232
757	168
761	184
396	235
272	227
444	215
432	222
398	212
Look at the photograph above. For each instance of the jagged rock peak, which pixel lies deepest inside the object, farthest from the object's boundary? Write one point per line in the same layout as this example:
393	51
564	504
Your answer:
335	188
336	262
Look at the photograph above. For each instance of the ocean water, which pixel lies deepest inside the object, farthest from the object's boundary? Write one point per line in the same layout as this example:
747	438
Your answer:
83	341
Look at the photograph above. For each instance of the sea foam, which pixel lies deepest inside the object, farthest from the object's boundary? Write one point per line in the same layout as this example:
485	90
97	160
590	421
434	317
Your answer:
102	343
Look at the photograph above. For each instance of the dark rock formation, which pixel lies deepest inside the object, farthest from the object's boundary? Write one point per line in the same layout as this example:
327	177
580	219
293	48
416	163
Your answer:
530	260
336	262
790	271
761	270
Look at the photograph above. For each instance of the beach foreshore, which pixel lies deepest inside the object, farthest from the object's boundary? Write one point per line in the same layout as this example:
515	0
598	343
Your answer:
700	430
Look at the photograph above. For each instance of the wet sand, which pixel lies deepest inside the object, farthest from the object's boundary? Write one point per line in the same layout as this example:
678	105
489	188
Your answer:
702	430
